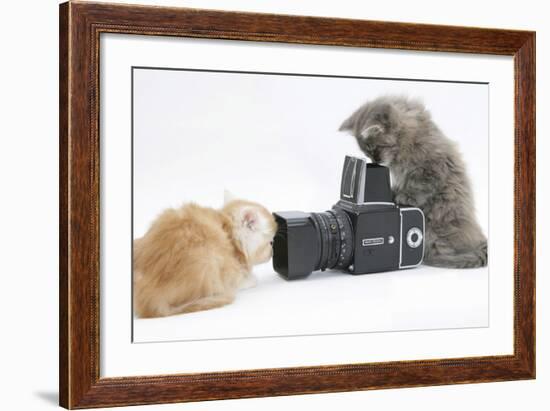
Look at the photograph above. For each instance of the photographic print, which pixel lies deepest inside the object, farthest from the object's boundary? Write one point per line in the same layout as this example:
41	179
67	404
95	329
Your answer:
257	205
378	189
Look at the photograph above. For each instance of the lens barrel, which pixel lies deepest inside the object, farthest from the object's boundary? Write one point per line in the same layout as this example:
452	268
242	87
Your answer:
307	242
335	239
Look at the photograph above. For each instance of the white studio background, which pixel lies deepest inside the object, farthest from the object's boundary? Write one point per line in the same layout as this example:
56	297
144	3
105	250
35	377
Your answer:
29	165
274	139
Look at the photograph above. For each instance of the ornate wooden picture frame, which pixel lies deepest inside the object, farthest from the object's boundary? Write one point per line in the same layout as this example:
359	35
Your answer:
81	24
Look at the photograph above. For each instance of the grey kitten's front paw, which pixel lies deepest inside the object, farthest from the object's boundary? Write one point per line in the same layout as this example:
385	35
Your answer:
393	195
249	282
400	199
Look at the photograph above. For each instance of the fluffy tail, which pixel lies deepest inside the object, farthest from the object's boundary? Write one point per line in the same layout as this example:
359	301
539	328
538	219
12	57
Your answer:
466	259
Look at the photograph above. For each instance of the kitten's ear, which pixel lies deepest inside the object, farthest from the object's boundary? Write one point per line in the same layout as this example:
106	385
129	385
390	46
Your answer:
349	123
371	131
383	114
228	196
250	219
381	118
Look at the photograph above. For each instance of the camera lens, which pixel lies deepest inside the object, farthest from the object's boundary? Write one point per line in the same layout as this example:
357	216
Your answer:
335	239
307	242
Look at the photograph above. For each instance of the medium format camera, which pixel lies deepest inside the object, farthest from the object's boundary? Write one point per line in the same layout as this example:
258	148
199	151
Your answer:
365	232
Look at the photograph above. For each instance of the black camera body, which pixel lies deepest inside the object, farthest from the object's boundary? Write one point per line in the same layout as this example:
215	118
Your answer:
364	232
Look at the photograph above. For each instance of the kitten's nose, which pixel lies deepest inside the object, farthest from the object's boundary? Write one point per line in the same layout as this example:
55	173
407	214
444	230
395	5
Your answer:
375	155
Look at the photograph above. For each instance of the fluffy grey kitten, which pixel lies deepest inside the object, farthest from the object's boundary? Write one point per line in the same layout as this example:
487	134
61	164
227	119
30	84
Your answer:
428	172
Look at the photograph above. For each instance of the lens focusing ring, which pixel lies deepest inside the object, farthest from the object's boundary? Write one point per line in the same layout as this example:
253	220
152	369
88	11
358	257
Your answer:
321	226
335	239
346	239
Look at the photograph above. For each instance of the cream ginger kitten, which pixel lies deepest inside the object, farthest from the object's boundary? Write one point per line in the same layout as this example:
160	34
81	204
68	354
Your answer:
196	258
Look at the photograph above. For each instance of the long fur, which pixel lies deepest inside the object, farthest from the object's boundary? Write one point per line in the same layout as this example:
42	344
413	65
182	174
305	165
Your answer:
196	258
428	172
